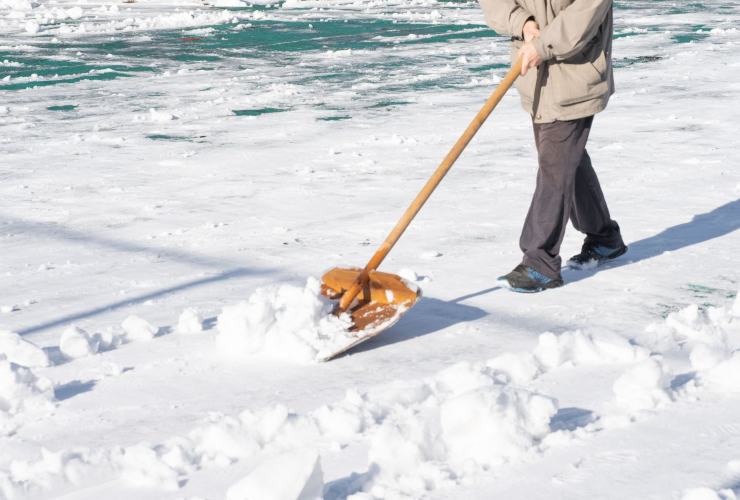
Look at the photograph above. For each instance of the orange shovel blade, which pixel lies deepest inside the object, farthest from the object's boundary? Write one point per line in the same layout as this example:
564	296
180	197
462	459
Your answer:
380	304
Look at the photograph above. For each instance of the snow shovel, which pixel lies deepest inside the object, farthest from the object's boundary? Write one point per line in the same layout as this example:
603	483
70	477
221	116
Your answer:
376	300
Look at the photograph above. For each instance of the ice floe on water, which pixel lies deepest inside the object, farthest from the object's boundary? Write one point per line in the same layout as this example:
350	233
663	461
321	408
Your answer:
284	322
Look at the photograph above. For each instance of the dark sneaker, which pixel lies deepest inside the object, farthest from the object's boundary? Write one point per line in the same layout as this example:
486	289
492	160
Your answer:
525	279
593	255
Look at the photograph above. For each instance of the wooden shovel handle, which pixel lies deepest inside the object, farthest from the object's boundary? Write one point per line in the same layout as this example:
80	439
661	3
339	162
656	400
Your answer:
430	186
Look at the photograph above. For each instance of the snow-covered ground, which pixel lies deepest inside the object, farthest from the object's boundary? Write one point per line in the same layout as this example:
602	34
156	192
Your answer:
175	173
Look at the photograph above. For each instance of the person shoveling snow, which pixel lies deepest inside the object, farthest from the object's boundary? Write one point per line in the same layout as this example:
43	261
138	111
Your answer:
573	82
566	78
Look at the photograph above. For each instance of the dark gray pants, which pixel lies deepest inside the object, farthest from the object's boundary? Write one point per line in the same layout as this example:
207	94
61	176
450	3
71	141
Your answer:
567	188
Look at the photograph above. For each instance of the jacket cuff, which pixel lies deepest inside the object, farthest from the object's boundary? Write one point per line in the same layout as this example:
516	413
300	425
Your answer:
543	48
518	20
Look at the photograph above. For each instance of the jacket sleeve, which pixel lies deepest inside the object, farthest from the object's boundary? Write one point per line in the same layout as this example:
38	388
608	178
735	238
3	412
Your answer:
507	17
572	29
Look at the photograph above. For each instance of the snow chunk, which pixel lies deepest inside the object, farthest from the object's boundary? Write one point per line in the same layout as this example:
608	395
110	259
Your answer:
21	351
704	357
77	343
21	391
285	322
724	377
137	329
520	369
578	348
643	387
141	465
293	476
692	326
189	322
707	494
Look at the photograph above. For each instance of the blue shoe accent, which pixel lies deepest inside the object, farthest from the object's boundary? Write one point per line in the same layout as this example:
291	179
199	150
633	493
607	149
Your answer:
538	276
524	279
605	251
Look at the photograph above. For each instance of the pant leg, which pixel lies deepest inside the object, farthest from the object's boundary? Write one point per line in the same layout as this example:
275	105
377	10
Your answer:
589	213
560	149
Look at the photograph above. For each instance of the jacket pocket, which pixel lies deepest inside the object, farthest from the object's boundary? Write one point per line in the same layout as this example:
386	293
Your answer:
575	82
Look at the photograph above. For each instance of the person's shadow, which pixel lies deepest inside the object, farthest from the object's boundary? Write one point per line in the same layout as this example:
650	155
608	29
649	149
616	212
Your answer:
703	227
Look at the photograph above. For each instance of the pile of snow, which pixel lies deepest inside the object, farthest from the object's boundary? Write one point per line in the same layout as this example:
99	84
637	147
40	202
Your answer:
22	352
711	337
51	470
464	420
578	348
423	434
284	322
692	326
645	386
253	436
77	343
137	329
189	322
21	392
292	476
723	377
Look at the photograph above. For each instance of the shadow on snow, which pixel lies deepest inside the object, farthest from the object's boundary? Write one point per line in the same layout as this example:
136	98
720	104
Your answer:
721	221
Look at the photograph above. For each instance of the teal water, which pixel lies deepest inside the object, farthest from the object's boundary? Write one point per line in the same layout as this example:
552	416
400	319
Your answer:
264	42
372	57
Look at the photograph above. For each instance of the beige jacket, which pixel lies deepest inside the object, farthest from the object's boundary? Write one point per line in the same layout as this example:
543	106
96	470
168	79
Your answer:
575	42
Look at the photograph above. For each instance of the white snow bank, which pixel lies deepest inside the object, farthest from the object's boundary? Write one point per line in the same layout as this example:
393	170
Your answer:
423	434
464	420
285	322
712	338
52	469
251	436
21	351
292	476
643	387
692	326
189	322
578	348
21	391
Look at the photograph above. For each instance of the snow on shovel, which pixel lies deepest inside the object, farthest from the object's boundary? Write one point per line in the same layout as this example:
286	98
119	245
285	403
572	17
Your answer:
376	300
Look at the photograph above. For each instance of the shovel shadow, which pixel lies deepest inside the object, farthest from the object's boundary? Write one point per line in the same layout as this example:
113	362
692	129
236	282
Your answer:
428	316
719	222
